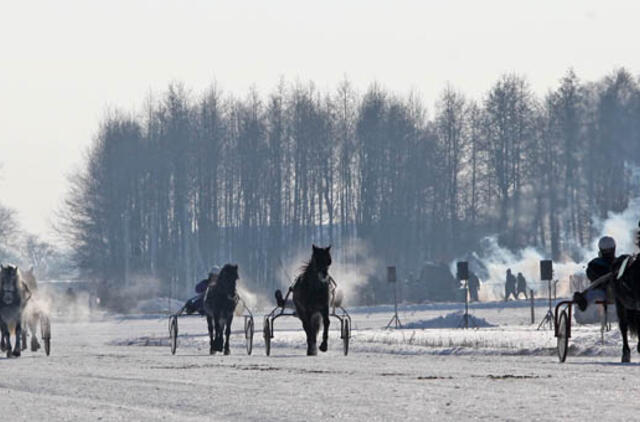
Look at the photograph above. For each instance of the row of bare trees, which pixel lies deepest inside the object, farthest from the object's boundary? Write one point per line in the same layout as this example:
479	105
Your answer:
27	250
196	180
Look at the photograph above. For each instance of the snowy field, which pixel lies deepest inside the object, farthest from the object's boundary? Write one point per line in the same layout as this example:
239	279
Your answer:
117	368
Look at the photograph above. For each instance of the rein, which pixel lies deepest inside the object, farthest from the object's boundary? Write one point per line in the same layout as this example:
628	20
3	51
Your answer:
28	291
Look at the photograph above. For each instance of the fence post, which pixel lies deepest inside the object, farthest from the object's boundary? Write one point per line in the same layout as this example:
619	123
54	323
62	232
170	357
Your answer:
533	315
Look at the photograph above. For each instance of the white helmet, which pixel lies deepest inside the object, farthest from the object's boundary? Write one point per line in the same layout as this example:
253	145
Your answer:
606	243
215	270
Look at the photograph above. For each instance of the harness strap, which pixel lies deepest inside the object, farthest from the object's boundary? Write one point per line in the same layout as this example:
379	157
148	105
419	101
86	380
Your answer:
623	267
28	291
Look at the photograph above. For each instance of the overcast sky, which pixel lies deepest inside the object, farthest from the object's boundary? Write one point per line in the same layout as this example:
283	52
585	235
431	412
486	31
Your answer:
63	64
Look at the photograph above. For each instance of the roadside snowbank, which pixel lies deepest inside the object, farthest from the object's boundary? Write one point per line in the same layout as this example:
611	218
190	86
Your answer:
451	320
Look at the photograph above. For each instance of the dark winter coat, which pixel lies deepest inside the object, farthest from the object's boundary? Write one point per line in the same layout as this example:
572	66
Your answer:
510	283
201	287
598	267
522	284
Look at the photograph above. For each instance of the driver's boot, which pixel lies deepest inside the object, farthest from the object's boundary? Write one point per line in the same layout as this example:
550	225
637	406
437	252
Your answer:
580	300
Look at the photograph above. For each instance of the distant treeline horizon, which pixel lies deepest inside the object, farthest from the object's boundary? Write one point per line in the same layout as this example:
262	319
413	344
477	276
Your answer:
193	180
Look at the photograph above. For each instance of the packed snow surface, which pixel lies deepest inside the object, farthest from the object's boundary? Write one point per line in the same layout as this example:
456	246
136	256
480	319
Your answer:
121	368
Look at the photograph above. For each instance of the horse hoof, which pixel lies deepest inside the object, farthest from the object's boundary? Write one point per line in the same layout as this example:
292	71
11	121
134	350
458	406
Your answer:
312	351
323	347
35	347
212	351
17	353
626	357
227	352
217	346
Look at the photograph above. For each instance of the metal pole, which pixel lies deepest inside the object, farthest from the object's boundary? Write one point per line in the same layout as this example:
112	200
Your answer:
395	303
466	304
533	315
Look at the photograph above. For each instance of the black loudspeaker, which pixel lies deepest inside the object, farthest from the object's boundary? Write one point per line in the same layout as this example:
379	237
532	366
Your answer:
391	274
546	269
463	270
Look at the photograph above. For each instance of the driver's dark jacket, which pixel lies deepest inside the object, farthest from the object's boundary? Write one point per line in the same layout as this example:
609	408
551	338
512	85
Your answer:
598	267
201	287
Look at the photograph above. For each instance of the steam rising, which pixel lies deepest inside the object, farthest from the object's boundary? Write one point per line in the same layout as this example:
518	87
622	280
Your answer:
621	226
351	269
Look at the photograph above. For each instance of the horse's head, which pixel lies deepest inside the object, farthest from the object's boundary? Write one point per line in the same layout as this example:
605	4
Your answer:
9	284
228	277
321	260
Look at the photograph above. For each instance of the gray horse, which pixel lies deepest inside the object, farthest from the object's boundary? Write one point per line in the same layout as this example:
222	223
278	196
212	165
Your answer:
13	296
32	310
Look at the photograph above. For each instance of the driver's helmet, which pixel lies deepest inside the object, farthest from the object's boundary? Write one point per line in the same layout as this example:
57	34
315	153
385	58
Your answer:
607	246
215	270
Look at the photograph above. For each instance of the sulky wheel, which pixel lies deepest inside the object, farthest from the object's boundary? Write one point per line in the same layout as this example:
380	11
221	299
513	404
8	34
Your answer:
267	336
346	334
45	329
248	334
173	333
563	336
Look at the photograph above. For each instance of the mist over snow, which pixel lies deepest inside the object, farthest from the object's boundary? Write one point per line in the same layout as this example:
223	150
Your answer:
622	226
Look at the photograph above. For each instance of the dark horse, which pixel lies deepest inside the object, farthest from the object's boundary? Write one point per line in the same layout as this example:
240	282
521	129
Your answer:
625	283
219	303
311	295
13	297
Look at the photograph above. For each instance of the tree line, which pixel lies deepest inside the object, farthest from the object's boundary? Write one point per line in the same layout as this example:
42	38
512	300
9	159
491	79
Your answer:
192	180
27	250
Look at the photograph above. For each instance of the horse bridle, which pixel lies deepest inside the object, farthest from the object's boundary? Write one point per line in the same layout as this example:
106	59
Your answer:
14	292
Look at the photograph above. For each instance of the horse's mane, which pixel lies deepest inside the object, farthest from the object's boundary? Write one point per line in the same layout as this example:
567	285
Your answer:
6	268
224	278
306	267
306	270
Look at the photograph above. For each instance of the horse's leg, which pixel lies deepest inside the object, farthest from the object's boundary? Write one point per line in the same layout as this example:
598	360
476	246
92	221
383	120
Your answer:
635	324
17	349
227	334
33	326
314	326
210	327
306	325
7	342
623	324
217	343
325	331
4	331
24	339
